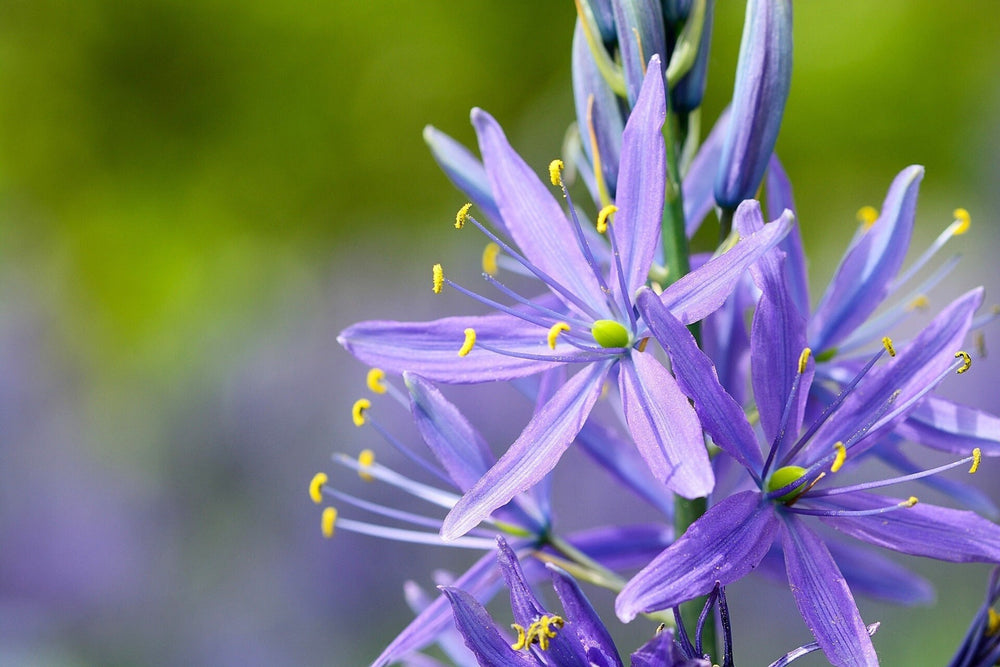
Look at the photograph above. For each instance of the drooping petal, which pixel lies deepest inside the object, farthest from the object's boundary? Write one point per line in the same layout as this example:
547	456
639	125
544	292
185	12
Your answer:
779	198
481	634
641	176
639	25
533	454
957	536
706	288
431	348
532	215
664	426
583	622
465	171
823	598
951	427
722	546
862	279
719	414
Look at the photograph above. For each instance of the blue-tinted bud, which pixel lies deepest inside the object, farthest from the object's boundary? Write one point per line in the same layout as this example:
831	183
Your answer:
686	95
604	16
763	77
606	117
676	11
639	24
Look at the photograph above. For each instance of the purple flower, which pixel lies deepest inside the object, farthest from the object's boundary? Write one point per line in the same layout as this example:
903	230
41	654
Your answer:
733	537
588	319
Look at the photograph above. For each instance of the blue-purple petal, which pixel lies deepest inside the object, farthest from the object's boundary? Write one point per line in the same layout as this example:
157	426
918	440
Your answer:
481	635
951	427
698	187
779	198
605	114
464	170
639	25
583	622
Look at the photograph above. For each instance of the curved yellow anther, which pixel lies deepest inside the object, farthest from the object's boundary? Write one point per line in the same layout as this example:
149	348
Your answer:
554	332
522	637
966	361
376	381
993	624
920	302
358	411
602	217
910	502
977	458
365	460
555	172
470	341
964	220
838	461
328	521
887	344
438	278
867	215
804	359
316	487
462	216
490	254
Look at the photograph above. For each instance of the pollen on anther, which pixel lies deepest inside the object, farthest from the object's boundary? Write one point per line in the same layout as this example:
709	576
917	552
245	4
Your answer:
966	361
438	278
490	254
977	458
376	380
887	344
554	332
365	460
555	172
358	411
602	217
838	461
910	502
316	487
993	624
867	215
964	219
804	359
522	637
470	342
328	521
462	216
919	302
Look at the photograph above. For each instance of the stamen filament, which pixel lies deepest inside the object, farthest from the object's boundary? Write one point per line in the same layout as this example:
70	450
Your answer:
867	486
906	504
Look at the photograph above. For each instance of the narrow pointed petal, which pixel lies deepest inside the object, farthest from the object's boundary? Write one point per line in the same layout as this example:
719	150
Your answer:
533	217
481	634
640	182
639	24
951	427
481	580
606	115
823	598
455	443
779	198
699	182
583	622
464	170
533	454
664	426
706	288
957	536
862	279
725	340
523	603
722	546
662	651
431	348
719	414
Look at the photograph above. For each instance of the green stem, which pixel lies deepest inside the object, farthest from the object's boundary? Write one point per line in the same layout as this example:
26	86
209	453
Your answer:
687	512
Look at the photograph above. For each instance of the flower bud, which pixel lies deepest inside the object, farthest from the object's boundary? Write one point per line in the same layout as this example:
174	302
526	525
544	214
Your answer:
639	24
686	94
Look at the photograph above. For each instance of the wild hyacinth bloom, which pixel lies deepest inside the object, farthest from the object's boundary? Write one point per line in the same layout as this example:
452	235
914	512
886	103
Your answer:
588	320
461	457
981	645
792	483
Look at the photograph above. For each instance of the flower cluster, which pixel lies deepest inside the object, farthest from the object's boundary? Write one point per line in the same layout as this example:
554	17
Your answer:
728	403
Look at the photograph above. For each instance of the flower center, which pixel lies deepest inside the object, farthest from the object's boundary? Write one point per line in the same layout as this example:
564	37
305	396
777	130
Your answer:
609	333
782	477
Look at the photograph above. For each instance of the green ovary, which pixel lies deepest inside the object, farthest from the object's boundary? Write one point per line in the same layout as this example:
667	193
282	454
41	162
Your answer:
782	477
609	333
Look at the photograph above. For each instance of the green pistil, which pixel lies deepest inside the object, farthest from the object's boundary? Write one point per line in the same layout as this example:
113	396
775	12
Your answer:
609	333
782	477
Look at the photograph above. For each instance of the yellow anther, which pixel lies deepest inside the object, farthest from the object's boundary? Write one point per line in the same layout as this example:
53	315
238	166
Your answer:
804	359
641	345
602	217
993	625
376	381
887	344
554	332
966	361
365	460
358	411
964	220
867	215
980	342
316	487
490	254
470	341
541	632
462	216
977	458
910	502
522	637
438	274
328	521
920	302
555	172
838	461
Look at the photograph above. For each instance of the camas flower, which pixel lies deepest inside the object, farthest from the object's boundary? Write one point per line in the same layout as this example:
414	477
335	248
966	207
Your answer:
734	535
588	319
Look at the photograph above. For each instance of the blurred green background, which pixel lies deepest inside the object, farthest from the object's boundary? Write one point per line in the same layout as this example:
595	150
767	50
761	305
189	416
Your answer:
196	196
